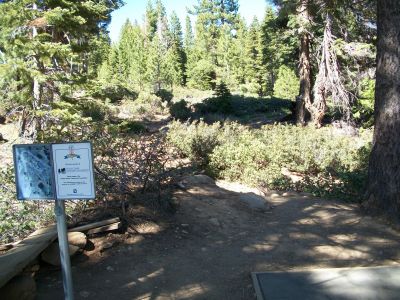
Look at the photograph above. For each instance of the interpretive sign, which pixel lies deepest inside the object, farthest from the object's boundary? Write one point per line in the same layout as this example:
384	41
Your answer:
73	170
57	172
54	171
33	172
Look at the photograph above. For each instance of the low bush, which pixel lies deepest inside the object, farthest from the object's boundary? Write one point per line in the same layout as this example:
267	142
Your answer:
131	127
180	110
164	95
202	76
287	84
328	164
19	218
363	110
196	140
94	109
146	106
114	93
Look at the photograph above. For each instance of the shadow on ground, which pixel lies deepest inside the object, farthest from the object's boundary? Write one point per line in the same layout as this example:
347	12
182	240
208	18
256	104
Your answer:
217	238
249	111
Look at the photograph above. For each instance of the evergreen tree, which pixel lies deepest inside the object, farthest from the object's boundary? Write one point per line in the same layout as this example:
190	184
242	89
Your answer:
47	45
271	49
383	189
176	58
238	54
211	15
155	69
189	37
150	19
188	48
255	68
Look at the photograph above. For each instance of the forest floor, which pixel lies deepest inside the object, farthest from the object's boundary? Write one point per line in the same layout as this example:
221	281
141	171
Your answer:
221	233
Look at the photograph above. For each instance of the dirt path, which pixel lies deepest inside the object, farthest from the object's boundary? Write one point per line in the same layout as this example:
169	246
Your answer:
218	237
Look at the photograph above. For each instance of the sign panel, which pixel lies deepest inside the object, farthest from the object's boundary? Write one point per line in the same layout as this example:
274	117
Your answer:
73	170
33	172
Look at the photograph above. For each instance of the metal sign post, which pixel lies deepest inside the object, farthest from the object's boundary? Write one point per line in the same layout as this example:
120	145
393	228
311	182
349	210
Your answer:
56	171
59	210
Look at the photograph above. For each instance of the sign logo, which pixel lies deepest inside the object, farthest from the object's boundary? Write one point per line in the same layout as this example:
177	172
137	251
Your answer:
71	153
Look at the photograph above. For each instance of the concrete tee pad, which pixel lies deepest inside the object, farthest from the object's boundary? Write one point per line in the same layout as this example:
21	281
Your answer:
378	283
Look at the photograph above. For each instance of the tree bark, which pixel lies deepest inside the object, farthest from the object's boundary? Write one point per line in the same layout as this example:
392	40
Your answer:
383	189
304	64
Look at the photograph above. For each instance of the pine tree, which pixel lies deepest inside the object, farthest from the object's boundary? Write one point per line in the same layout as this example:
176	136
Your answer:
225	55
45	45
189	37
188	48
155	69
238	54
271	49
176	58
383	189
211	15
151	19
255	68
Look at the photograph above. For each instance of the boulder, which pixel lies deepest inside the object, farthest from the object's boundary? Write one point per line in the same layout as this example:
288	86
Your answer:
78	239
51	254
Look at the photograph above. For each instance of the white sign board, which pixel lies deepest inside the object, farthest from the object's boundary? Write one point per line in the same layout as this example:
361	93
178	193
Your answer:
73	170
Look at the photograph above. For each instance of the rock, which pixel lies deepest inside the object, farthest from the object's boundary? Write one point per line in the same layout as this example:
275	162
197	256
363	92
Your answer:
110	269
181	185
290	194
78	239
253	201
200	179
84	294
215	222
2	139
34	268
344	128
106	245
147	228
21	287
51	254
293	176
6	246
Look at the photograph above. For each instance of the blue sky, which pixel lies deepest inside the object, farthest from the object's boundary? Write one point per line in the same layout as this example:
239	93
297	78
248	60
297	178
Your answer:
135	9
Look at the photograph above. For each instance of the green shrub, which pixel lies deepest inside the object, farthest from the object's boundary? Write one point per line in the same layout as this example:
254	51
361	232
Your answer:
19	218
329	164
363	110
287	84
164	95
131	126
180	110
202	76
94	109
147	105
114	93
196	140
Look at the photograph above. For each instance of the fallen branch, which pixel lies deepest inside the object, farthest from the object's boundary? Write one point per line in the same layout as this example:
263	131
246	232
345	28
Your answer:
94	225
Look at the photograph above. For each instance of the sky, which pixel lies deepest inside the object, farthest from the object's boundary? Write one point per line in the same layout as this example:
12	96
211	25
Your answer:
135	9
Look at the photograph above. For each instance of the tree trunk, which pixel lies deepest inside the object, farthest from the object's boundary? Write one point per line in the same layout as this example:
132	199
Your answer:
304	64
318	107
383	192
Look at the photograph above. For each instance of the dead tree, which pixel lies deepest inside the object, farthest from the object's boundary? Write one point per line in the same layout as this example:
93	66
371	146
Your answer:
328	81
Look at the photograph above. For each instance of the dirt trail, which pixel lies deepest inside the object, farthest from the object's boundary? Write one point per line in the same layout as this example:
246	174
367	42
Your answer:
218	237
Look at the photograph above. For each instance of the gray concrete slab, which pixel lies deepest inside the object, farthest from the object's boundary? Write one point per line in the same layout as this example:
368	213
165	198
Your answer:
372	283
